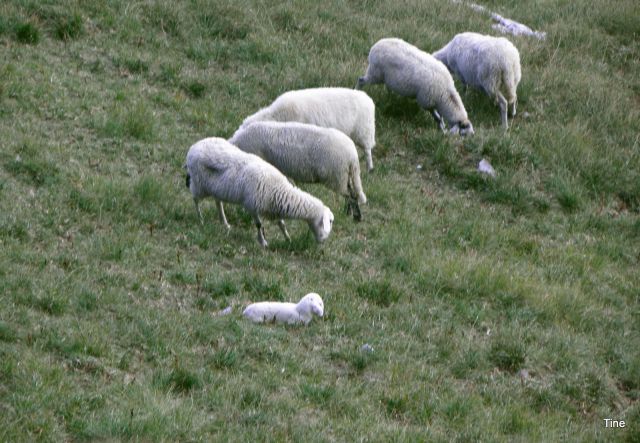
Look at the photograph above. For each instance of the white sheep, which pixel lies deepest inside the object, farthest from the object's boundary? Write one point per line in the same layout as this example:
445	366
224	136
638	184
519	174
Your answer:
307	154
410	72
491	64
216	168
290	313
346	110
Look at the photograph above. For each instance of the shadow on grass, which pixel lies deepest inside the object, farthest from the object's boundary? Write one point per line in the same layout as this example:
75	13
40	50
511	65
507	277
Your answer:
357	360
178	380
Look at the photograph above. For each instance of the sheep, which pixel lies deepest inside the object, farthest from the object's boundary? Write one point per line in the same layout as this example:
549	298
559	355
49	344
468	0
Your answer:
218	169
290	313
410	72
307	154
491	64
346	110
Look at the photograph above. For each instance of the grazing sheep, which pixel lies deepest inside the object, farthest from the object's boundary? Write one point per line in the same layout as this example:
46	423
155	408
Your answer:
410	72
290	313
491	64
218	169
307	154
346	110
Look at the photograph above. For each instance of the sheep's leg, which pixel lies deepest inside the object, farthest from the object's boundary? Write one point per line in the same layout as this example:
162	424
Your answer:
223	218
260	228
197	203
439	120
283	228
357	215
513	107
502	103
347	206
352	203
369	160
347	201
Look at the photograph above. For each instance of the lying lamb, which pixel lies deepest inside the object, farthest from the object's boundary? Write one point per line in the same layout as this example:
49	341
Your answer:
410	72
290	313
491	64
216	168
346	110
307	154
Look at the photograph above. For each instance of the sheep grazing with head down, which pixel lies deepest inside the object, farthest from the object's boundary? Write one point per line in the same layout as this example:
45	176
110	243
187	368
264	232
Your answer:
290	313
307	154
216	168
351	112
491	64
410	72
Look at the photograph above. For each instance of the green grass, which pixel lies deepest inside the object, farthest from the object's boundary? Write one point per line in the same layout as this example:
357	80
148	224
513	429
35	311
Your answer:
503	309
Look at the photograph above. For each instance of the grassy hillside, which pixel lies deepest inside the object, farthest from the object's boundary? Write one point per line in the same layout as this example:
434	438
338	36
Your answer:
498	310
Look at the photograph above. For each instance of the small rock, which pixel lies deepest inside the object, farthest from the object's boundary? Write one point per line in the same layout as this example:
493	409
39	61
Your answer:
524	375
485	167
366	348
419	167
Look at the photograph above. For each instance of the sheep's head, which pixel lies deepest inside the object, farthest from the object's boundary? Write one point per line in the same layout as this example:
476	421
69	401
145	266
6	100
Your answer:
322	227
312	303
463	128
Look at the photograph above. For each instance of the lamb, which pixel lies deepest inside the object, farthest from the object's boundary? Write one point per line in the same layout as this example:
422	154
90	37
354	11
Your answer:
290	313
218	169
307	154
410	72
491	64
346	110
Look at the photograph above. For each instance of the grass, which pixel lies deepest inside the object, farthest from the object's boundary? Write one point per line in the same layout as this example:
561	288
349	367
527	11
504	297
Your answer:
493	309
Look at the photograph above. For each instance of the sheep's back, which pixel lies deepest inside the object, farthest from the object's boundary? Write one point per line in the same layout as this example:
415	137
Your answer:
481	60
340	108
406	69
222	170
270	311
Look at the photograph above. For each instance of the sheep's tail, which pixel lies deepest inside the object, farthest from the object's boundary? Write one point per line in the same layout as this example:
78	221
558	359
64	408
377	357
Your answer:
504	82
356	183
510	79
